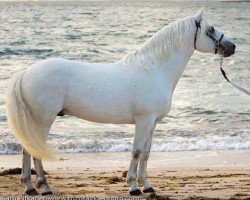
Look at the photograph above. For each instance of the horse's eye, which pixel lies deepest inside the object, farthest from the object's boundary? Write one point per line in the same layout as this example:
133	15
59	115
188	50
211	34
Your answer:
211	29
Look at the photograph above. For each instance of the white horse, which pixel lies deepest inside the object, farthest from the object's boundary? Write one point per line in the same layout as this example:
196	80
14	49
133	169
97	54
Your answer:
135	90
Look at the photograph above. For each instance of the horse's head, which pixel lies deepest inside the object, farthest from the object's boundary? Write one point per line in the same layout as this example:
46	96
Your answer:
208	39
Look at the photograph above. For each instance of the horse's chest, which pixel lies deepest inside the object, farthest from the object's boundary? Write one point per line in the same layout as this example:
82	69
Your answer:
155	102
163	106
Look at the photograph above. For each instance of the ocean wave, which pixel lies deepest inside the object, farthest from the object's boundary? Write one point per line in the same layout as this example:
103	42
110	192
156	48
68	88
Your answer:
161	143
239	40
247	113
10	147
72	37
3	118
9	52
192	111
18	42
86	13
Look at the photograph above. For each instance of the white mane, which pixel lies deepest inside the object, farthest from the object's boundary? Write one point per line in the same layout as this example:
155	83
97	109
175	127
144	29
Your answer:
161	46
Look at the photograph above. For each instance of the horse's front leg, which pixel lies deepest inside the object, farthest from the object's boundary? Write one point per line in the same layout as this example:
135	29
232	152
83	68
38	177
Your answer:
142	174
143	129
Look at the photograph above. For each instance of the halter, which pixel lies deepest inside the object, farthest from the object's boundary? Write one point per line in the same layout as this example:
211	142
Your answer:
198	25
217	42
235	85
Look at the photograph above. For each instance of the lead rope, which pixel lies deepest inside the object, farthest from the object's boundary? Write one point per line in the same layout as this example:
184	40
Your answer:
225	76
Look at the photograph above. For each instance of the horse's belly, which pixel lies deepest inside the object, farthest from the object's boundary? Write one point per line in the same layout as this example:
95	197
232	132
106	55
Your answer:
102	114
100	103
99	94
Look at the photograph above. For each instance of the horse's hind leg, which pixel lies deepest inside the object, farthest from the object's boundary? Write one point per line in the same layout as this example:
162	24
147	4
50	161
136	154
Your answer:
41	180
26	174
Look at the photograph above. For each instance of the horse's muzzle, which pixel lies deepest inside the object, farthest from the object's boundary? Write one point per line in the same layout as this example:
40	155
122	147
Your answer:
230	49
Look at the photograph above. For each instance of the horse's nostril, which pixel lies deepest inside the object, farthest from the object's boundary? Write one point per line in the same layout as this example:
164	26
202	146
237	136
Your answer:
231	49
234	46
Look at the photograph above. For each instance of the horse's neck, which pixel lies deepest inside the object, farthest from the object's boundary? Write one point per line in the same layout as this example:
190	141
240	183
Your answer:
174	67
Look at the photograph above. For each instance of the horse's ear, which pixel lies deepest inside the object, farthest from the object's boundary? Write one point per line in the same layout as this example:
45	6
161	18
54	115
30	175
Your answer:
198	16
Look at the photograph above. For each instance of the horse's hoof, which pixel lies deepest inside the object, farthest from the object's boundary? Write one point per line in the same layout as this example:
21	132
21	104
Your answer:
149	190
136	192
47	193
31	192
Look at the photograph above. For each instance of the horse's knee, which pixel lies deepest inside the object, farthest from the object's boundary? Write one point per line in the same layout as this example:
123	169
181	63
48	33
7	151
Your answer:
136	154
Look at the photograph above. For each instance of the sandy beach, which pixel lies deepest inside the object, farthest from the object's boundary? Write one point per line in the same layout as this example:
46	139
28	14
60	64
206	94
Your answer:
177	175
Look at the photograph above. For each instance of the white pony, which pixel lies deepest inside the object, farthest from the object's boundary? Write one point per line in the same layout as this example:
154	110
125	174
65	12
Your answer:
135	90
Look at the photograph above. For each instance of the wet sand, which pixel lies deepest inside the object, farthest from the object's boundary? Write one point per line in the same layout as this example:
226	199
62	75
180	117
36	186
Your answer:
177	175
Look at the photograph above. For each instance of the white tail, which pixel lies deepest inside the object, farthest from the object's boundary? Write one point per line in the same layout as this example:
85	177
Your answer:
26	130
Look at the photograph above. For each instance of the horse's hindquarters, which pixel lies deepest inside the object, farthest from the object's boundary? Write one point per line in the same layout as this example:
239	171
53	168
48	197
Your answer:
43	88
